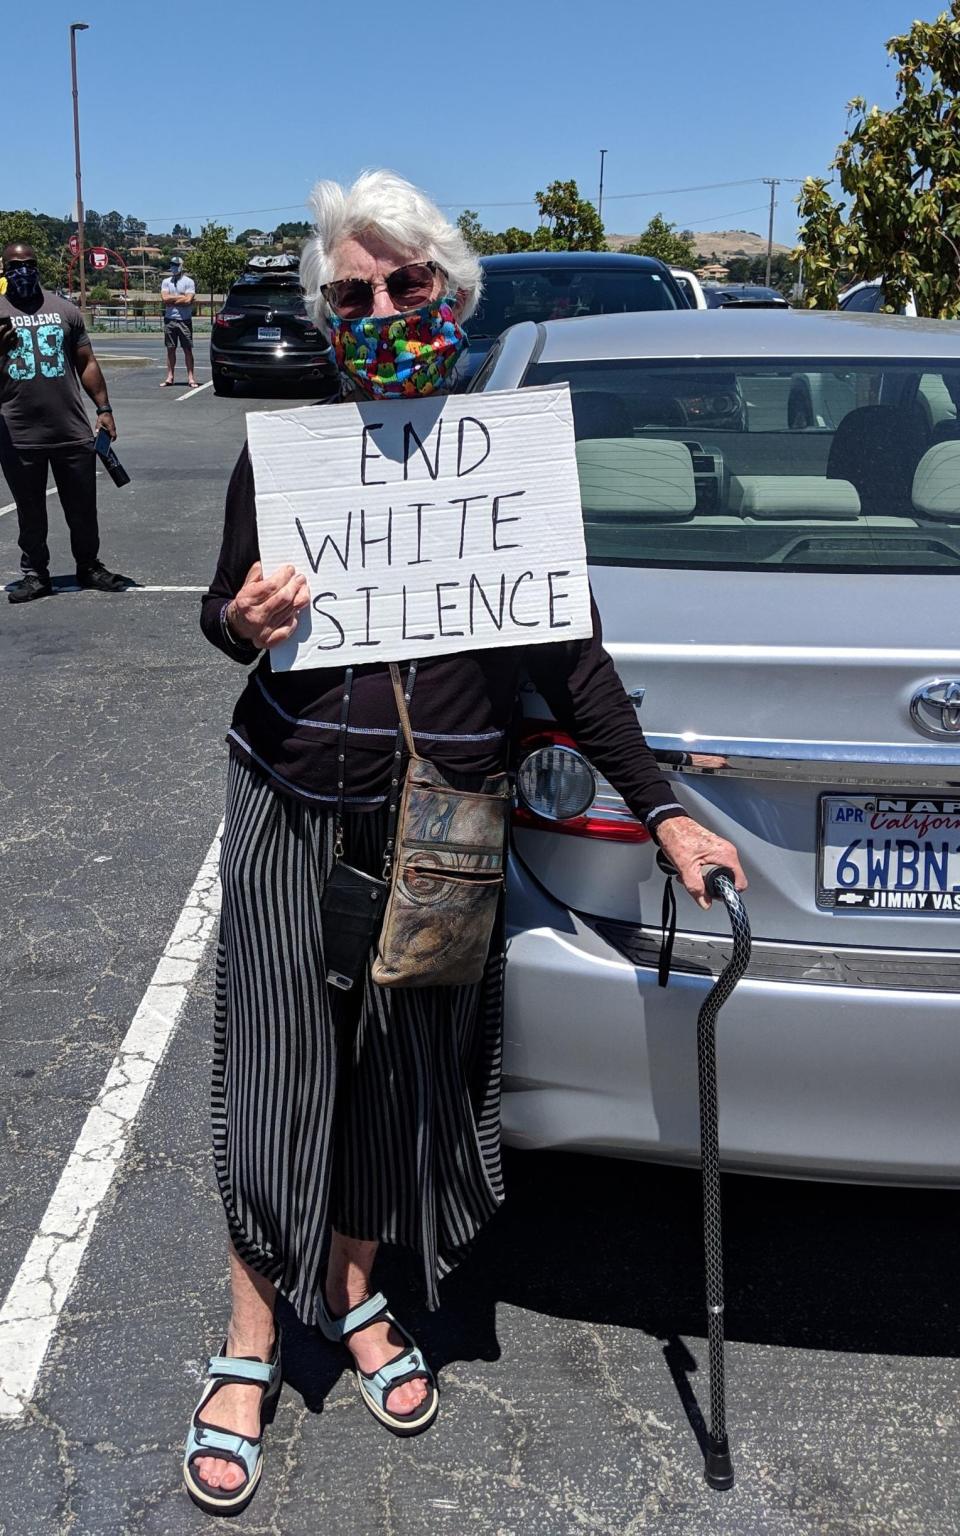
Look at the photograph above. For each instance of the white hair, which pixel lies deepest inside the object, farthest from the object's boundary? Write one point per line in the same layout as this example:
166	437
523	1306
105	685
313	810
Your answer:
382	203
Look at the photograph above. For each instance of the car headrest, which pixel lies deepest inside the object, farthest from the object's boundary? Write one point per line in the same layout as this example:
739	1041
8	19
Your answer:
639	477
806	496
936	483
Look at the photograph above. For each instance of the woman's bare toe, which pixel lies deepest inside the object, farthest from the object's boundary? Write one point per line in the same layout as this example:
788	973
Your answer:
408	1397
220	1474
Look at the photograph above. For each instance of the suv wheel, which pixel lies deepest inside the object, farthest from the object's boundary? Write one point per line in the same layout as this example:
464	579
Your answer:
222	385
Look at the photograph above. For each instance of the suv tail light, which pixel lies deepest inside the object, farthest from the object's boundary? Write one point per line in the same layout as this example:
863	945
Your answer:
228	316
554	777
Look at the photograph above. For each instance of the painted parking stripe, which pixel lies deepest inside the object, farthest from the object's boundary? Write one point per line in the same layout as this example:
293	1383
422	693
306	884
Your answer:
191	394
11	506
34	1302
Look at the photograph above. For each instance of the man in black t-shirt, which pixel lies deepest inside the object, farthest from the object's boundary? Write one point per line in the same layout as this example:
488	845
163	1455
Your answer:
46	361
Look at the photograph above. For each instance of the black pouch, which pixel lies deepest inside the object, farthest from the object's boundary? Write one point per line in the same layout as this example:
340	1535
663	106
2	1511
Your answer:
353	902
351	910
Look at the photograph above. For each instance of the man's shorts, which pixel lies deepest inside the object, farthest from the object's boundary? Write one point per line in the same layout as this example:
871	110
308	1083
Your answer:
175	331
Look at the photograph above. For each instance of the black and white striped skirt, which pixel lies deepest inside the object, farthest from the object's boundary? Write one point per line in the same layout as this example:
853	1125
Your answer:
378	1115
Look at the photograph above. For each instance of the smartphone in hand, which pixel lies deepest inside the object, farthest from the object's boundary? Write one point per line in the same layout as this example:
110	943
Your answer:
104	451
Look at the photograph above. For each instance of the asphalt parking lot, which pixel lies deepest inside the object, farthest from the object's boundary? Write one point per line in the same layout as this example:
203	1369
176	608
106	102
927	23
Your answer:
570	1349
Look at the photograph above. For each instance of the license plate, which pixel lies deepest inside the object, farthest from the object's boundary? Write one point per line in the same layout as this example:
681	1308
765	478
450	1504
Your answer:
889	853
268	332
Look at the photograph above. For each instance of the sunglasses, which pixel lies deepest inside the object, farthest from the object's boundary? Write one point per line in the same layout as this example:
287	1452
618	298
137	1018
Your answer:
409	287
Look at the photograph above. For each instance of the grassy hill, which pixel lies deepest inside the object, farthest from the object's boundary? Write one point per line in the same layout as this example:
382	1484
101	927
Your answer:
722	242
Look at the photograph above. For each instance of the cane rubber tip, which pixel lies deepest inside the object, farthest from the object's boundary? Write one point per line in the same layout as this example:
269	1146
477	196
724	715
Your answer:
718	1467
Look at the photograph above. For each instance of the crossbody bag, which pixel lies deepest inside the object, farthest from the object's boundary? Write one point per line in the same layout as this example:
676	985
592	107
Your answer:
447	873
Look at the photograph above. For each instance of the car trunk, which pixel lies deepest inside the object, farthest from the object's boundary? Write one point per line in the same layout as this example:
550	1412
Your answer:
267	319
810	676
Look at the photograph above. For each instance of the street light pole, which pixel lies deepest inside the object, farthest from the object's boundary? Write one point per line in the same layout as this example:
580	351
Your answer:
600	198
773	183
75	27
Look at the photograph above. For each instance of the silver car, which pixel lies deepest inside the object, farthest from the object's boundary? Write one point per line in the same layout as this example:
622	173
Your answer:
782	605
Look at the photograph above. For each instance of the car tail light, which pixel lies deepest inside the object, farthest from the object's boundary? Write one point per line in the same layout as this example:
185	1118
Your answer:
560	792
228	316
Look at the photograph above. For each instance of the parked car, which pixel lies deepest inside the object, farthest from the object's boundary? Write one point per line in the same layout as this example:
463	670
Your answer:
263	332
559	285
691	286
867	298
783	605
743	296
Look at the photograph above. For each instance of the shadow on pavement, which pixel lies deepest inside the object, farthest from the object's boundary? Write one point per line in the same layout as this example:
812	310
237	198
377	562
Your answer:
811	1266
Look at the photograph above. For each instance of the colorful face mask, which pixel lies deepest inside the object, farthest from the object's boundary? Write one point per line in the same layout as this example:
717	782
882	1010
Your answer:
23	282
400	355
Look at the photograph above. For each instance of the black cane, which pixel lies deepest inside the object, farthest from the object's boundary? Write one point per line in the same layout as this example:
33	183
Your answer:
719	883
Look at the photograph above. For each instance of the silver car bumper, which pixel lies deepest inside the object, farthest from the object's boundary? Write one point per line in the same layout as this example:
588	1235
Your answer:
816	1080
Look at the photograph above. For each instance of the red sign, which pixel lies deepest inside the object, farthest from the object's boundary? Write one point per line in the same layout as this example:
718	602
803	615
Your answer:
99	257
74	244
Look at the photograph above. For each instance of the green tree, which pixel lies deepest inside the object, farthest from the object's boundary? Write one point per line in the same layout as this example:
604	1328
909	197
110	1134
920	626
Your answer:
514	239
753	269
570	222
113	229
20	225
293	229
98	294
900	170
92	227
662	239
214	261
245	235
483	241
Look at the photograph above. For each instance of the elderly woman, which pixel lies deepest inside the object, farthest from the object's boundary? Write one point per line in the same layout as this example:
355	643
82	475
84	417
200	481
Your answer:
341	1121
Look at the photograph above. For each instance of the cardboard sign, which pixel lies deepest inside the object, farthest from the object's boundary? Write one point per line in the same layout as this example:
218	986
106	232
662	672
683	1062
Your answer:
424	527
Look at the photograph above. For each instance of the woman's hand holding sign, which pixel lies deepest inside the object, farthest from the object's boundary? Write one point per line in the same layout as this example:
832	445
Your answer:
266	609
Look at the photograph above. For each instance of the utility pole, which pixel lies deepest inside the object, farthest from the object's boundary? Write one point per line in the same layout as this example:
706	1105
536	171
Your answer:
75	27
600	198
773	183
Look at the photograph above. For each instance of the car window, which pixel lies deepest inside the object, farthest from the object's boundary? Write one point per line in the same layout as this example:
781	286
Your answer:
560	293
865	299
267	295
753	465
686	288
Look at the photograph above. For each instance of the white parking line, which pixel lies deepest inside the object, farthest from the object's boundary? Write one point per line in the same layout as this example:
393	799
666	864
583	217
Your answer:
34	1302
11	505
191	394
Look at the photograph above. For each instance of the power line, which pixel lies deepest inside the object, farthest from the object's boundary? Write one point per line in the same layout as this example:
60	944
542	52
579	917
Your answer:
707	186
527	202
713	217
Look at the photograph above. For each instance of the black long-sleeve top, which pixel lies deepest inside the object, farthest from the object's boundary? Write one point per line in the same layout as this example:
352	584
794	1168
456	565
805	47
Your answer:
286	723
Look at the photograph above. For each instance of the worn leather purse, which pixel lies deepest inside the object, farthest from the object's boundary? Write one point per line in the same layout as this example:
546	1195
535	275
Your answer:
447	873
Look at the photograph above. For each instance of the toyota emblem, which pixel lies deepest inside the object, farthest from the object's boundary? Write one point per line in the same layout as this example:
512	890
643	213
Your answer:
935	708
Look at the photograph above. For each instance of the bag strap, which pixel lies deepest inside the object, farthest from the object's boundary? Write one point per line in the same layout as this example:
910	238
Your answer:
342	764
402	702
404	736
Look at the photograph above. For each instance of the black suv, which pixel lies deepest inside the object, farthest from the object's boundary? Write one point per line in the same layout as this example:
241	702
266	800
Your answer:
263	331
558	285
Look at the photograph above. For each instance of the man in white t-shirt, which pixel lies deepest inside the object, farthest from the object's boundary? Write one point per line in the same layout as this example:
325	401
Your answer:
177	294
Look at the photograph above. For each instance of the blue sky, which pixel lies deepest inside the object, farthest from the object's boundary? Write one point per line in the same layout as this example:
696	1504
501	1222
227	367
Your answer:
213	109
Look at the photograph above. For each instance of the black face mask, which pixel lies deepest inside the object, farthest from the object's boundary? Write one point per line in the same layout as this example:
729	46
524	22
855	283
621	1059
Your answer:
23	282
